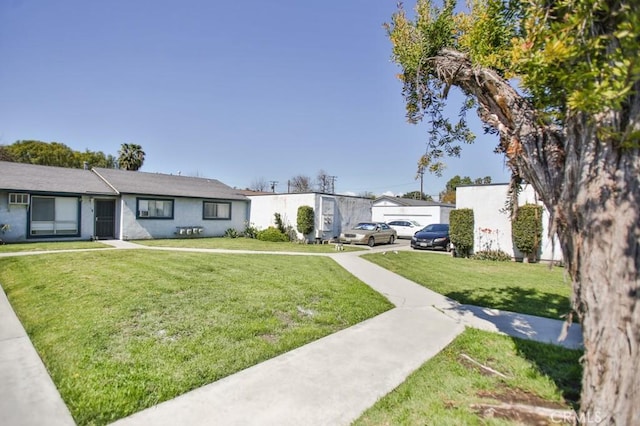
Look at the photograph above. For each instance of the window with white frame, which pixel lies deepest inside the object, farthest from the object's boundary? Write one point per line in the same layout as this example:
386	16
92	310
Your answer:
154	209
216	210
52	216
18	198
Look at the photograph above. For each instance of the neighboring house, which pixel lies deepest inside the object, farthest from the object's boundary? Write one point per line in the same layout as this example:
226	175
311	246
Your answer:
49	202
492	223
155	205
42	202
387	208
333	212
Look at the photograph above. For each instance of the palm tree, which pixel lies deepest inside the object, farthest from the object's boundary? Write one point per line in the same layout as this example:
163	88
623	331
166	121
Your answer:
130	156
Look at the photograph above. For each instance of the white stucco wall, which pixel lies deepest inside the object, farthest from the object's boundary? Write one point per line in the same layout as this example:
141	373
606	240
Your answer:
424	215
492	225
264	207
332	212
186	212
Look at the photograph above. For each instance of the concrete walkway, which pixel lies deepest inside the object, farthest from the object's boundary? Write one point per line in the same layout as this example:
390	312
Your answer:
328	382
27	393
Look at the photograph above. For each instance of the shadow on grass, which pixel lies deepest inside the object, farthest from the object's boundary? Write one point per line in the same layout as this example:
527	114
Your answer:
537	339
516	299
560	365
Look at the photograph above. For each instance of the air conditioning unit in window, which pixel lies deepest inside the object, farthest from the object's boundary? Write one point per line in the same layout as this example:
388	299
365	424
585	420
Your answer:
18	198
144	213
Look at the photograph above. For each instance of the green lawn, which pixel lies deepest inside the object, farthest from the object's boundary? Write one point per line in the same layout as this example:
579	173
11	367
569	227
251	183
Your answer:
59	245
526	288
444	389
244	244
120	331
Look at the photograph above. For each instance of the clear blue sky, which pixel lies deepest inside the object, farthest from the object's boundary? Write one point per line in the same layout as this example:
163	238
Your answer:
232	90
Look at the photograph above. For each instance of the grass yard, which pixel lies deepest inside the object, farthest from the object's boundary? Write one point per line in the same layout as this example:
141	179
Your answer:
450	390
59	245
244	244
120	331
525	288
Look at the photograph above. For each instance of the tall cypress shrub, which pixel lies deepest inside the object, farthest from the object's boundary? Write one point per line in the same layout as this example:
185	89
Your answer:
305	220
526	229
461	231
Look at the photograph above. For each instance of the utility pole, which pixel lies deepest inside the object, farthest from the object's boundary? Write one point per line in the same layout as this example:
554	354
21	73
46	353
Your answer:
332	183
421	174
273	184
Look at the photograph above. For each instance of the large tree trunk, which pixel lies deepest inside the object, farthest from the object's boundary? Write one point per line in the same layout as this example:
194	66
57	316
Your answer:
591	187
598	220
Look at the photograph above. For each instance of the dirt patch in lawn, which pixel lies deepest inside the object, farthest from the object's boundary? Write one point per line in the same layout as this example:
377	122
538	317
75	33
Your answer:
523	407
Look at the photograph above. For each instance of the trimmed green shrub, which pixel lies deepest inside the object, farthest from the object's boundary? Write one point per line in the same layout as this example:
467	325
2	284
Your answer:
495	255
526	229
231	233
461	231
250	231
279	223
306	219
286	229
272	234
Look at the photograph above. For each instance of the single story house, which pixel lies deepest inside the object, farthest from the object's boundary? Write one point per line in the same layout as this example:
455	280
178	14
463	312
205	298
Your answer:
55	203
333	213
388	208
492	222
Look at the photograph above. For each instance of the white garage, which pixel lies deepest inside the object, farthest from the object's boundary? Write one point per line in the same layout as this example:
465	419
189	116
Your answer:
387	208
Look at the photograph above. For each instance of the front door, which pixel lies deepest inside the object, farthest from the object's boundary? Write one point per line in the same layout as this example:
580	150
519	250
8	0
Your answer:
105	213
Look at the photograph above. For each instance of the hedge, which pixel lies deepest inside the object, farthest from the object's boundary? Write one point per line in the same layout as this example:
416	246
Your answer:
526	229
461	231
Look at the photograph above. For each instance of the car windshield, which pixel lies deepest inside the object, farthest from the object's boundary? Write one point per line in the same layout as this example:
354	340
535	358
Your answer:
436	227
366	226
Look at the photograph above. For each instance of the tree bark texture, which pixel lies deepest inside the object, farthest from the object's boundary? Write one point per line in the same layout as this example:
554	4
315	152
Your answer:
590	185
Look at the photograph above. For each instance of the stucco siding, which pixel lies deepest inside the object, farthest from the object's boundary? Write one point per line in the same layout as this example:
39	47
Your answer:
87	221
186	212
351	211
492	224
264	207
332	213
17	217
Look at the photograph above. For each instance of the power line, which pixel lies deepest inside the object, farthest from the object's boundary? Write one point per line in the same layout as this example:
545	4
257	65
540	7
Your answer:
272	185
332	184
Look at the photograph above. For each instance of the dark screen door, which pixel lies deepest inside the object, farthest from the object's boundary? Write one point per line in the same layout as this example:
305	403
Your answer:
105	212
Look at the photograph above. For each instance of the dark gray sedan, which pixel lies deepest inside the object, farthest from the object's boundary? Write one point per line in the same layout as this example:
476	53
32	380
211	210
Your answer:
432	236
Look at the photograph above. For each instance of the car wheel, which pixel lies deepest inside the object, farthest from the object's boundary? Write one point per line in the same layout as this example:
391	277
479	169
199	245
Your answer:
391	239
371	242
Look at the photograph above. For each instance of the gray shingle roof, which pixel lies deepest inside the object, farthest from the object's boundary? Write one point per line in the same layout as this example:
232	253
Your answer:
34	178
128	182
